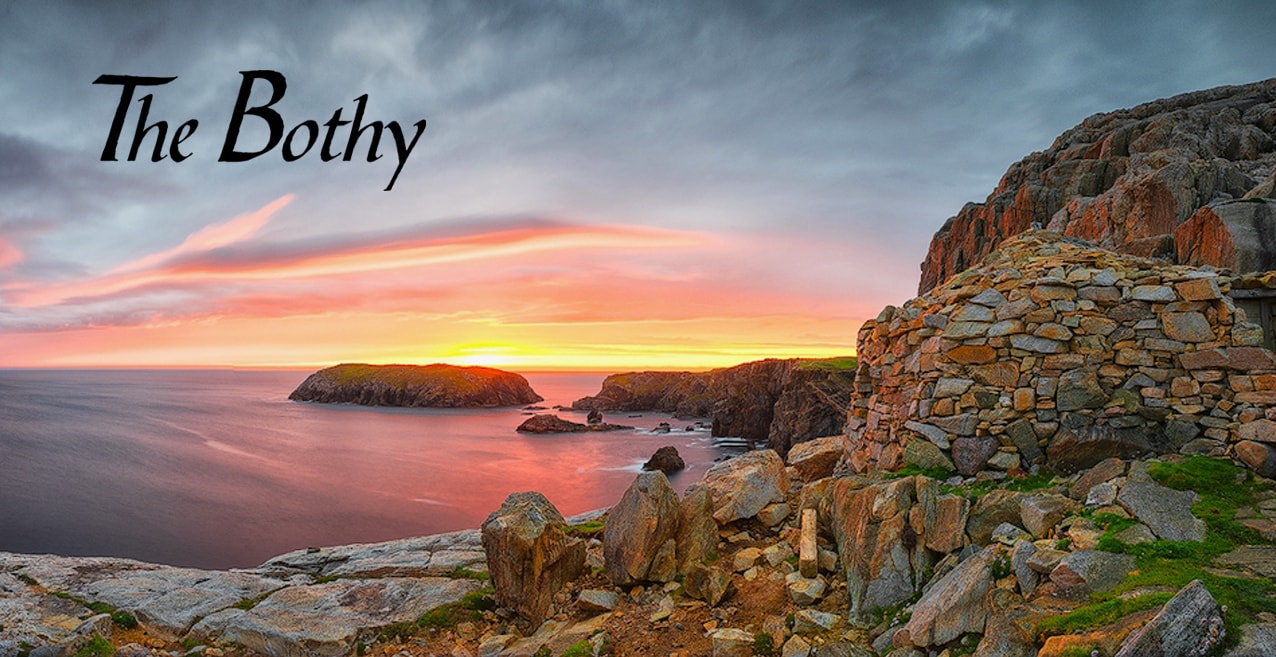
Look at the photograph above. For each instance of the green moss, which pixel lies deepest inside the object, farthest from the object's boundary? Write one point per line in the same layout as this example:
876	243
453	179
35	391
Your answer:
763	644
1098	614
913	470
1043	479
468	608
1223	488
96	647
590	529
542	651
326	579
27	579
836	364
579	649
461	572
1000	567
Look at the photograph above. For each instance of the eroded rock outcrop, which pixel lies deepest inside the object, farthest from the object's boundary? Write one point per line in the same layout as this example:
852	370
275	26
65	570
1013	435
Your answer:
1157	180
438	385
529	554
779	402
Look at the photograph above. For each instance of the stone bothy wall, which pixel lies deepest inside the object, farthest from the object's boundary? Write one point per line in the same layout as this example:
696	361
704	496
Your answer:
1058	353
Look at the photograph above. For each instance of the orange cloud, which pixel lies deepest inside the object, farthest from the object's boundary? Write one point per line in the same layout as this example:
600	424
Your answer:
214	236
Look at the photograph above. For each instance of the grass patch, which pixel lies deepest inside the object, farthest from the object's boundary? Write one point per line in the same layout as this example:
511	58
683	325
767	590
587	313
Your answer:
579	649
590	529
1099	614
461	572
1223	488
1043	479
468	608
838	364
96	647
763	644
911	470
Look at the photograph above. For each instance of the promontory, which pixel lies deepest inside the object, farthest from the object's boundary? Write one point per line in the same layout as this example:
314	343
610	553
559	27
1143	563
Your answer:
433	386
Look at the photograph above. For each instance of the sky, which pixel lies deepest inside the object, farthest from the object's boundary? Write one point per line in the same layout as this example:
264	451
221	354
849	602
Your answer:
600	185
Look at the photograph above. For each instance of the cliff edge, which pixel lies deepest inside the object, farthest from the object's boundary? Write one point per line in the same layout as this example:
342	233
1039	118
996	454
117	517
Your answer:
436	386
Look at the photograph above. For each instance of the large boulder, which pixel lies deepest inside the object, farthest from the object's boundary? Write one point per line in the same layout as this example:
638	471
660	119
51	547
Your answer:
741	486
954	605
815	459
529	554
1190	624
666	459
697	530
639	538
1084	572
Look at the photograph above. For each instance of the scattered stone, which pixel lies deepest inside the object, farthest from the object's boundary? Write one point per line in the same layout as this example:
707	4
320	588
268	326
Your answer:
1008	534
529	555
971	454
1044	560
745	559
697	536
1257	640
707	583
796	646
810	621
1260	457
731	642
774	514
1025	576
1040	513
550	423
805	591
666	460
1135	535
991	510
926	455
1191	623
638	539
597	600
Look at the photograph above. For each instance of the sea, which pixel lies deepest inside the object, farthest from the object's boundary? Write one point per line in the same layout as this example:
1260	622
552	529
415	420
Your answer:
218	469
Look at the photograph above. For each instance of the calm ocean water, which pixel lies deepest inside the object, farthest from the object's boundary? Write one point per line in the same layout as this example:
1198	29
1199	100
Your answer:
218	469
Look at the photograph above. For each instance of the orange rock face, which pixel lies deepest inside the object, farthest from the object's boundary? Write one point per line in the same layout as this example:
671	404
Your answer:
1131	181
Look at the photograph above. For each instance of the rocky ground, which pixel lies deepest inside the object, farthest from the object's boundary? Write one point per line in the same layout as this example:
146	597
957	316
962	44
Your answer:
761	558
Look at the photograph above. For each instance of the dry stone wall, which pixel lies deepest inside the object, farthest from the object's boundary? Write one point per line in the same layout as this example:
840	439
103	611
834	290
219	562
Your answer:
1057	352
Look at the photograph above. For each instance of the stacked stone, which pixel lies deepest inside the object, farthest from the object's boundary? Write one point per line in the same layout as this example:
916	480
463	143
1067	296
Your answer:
1056	351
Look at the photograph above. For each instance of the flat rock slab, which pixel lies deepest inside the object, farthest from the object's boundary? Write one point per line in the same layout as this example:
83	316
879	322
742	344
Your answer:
167	600
410	557
1189	624
1167	512
34	618
1257	640
1258	559
330	619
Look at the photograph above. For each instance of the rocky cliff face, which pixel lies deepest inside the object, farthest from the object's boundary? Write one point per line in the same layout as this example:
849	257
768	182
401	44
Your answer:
439	386
1164	179
782	402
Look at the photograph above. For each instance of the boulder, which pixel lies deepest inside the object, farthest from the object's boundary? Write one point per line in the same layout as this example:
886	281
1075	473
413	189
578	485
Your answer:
805	591
991	510
741	486
1040	513
1105	470
1073	450
971	453
731	642
638	528
1165	510
1260	457
707	583
1025	576
815	459
697	535
597	600
529	555
954	605
924	454
1191	623
666	460
1257	640
1084	572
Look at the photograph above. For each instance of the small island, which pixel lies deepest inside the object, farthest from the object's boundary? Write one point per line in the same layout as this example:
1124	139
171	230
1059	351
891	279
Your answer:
422	386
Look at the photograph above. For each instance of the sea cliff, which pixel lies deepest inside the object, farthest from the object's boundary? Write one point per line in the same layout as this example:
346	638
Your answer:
438	385
774	402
